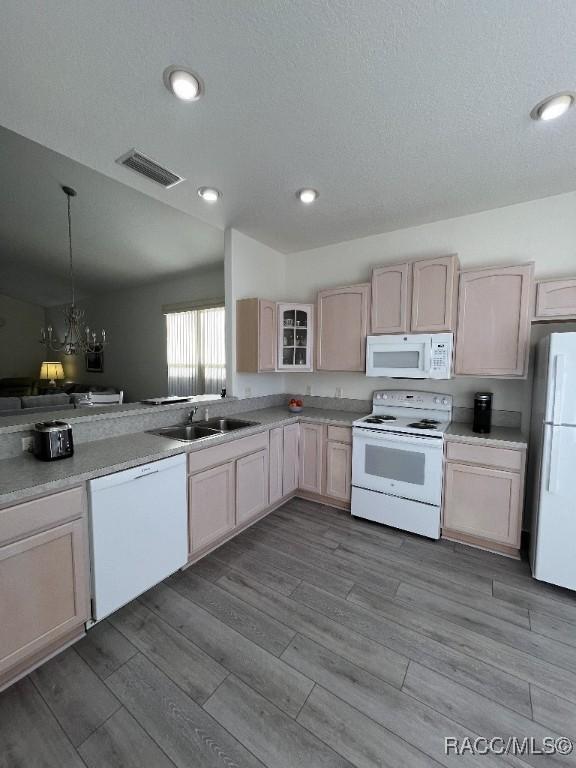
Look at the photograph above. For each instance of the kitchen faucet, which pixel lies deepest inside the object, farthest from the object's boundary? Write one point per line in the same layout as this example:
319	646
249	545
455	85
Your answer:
192	414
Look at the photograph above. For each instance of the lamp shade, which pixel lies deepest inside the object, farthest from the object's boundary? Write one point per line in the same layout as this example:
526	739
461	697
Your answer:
52	371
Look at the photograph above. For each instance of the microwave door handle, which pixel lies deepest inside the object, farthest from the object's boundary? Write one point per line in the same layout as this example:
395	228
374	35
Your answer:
427	356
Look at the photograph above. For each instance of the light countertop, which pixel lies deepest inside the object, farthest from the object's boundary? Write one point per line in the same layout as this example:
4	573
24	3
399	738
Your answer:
25	476
498	437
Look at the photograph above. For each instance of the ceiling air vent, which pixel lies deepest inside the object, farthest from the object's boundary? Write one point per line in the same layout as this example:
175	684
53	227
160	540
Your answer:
143	165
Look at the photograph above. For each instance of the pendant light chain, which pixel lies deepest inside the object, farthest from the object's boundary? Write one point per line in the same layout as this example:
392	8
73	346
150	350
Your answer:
78	338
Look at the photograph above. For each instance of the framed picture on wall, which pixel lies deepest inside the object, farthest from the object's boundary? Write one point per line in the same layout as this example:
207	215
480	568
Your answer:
95	360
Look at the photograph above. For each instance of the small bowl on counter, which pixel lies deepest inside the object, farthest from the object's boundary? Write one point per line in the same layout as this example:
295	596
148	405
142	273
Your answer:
295	406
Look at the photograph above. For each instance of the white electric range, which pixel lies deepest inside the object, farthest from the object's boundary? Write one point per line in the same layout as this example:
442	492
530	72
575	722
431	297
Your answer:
397	460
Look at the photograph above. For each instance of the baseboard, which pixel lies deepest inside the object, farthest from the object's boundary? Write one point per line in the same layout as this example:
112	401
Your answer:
480	543
326	500
12	676
195	556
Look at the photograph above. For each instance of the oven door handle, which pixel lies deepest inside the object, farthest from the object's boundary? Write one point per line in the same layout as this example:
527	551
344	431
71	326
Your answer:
374	435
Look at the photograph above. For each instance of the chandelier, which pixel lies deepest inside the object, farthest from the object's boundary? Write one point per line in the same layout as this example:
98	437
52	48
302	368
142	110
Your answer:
78	338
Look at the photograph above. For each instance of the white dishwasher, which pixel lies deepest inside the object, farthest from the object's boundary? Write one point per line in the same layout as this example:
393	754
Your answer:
139	531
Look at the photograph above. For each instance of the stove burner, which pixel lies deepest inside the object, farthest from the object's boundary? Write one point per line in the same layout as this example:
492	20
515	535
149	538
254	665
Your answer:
422	425
429	421
379	419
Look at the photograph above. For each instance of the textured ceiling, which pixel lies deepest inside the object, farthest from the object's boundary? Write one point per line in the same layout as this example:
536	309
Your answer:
120	236
398	111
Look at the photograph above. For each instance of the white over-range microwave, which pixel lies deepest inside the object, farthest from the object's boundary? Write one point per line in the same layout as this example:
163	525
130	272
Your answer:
415	356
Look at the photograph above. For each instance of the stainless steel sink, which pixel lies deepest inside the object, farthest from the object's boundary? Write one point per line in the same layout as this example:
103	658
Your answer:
228	425
202	430
187	432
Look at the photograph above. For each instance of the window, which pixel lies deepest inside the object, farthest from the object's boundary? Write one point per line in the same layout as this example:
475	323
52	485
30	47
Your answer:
196	351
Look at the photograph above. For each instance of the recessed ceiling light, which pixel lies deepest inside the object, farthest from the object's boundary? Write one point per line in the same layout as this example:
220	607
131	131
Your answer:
307	195
209	194
553	106
182	83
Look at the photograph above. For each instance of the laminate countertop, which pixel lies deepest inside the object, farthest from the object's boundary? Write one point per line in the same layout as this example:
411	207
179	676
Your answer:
25	476
498	437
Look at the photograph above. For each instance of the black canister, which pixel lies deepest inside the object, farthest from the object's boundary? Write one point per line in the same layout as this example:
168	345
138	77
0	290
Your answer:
482	412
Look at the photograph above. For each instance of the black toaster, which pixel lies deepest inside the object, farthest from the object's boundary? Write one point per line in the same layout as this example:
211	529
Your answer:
52	440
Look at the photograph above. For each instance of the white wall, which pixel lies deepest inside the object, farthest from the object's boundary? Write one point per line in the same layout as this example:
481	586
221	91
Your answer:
252	270
543	231
20	351
135	358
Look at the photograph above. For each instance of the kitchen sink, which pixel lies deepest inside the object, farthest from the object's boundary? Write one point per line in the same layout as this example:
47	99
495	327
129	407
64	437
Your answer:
187	432
202	430
228	425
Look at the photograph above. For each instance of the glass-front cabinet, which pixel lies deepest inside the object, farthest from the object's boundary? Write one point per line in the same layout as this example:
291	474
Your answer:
295	337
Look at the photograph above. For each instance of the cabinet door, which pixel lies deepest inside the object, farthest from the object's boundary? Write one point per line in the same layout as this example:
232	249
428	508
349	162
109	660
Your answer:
266	335
211	505
494	321
338	470
45	590
312	438
251	485
342	328
483	502
555	299
275	463
295	337
290	466
434	294
391	293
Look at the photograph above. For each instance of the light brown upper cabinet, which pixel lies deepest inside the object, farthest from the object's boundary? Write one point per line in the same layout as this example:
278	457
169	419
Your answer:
494	321
556	299
342	327
391	298
255	336
415	296
434	294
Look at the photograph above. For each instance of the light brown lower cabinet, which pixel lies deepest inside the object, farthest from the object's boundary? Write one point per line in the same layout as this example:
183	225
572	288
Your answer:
44	579
483	502
338	470
312	446
252	484
276	464
290	467
212	505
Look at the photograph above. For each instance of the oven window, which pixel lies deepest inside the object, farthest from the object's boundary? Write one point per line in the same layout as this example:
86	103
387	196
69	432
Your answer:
392	464
396	359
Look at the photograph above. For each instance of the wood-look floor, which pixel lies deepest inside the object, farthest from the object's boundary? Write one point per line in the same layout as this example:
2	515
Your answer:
312	639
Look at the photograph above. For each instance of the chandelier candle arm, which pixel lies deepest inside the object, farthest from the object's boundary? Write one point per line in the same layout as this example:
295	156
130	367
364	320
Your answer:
75	342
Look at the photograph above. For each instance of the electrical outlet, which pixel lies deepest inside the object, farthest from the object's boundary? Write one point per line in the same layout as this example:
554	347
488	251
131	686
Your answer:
247	391
339	391
308	389
26	444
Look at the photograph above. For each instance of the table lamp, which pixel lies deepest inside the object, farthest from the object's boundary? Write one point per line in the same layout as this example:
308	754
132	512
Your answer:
52	372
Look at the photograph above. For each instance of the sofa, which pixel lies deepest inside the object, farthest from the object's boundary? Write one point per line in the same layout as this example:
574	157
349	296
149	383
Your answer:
27	404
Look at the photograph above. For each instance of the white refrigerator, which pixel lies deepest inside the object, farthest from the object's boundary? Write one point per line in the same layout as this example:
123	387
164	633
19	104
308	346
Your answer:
553	541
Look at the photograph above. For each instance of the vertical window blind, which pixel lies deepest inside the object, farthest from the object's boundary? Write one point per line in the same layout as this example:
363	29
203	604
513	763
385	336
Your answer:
196	351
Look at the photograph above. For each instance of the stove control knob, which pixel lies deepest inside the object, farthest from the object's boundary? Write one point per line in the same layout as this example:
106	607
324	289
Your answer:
378	395
436	400
384	397
444	401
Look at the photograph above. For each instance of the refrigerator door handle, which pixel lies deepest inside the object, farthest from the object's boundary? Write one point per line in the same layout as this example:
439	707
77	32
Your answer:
559	372
552	484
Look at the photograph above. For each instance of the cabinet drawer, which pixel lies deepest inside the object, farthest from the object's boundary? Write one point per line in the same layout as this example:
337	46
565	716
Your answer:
487	456
210	457
340	434
40	514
